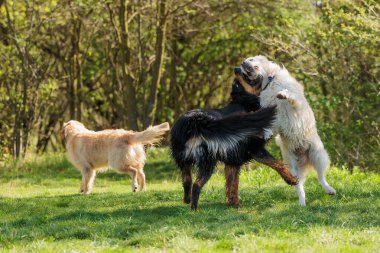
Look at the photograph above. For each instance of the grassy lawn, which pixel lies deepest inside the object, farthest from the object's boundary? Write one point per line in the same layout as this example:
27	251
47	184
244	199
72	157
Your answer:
41	211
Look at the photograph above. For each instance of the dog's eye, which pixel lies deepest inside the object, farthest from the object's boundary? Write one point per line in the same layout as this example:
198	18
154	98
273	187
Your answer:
251	59
250	69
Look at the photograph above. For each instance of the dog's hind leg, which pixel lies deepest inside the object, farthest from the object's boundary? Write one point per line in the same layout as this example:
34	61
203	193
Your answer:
186	183
232	184
301	174
291	159
266	158
320	160
206	165
133	173
141	179
322	180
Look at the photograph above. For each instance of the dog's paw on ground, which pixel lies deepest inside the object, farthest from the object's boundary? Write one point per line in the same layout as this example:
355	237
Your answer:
330	191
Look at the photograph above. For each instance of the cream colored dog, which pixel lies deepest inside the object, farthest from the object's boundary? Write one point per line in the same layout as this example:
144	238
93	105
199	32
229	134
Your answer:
122	150
298	139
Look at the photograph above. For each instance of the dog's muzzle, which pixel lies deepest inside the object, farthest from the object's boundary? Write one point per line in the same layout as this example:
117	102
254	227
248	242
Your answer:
240	71
245	74
247	69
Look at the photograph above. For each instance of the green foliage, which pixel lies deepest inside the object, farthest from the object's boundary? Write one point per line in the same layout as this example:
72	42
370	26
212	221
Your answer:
64	60
41	211
349	36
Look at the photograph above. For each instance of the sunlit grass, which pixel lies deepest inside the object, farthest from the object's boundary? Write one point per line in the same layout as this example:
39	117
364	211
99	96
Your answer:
41	211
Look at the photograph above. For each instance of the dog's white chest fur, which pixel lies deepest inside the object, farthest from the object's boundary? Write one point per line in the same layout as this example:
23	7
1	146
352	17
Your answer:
295	124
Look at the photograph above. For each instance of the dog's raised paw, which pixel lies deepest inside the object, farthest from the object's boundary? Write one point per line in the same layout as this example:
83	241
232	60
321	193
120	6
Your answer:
282	94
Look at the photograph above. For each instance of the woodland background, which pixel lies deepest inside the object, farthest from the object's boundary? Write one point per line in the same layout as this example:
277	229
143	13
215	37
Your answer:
129	64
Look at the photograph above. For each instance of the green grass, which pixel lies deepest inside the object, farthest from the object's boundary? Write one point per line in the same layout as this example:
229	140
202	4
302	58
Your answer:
41	211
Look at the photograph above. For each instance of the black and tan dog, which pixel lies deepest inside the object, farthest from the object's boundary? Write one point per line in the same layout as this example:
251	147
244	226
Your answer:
233	135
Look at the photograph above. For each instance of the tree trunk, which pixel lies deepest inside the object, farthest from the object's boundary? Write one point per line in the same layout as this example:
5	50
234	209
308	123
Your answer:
77	25
130	94
24	108
22	119
175	93
71	89
17	136
48	129
159	62
79	89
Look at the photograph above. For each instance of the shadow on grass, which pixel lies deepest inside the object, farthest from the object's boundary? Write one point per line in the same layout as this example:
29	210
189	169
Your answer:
138	218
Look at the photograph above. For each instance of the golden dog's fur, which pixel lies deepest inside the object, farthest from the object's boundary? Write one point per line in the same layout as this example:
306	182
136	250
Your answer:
122	150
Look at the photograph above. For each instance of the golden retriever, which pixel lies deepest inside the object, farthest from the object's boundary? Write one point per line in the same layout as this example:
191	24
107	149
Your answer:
91	151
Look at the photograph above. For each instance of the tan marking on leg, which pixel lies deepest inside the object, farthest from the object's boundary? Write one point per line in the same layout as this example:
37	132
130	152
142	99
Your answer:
281	169
187	182
232	185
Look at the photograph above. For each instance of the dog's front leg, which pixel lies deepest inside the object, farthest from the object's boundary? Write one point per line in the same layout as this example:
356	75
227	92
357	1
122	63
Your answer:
88	177
82	188
266	158
290	97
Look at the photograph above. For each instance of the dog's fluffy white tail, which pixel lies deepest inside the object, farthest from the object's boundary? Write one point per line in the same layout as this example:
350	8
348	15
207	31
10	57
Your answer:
151	135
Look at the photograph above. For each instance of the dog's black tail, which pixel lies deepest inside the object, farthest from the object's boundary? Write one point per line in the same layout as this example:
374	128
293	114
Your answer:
240	125
198	131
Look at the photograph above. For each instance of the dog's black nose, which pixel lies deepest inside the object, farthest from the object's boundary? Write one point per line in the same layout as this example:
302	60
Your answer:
245	66
238	71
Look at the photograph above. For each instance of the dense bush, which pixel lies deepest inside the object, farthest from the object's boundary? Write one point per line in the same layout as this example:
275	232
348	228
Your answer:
132	63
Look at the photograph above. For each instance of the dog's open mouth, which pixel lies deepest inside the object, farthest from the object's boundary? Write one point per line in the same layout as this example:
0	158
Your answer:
251	86
255	82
